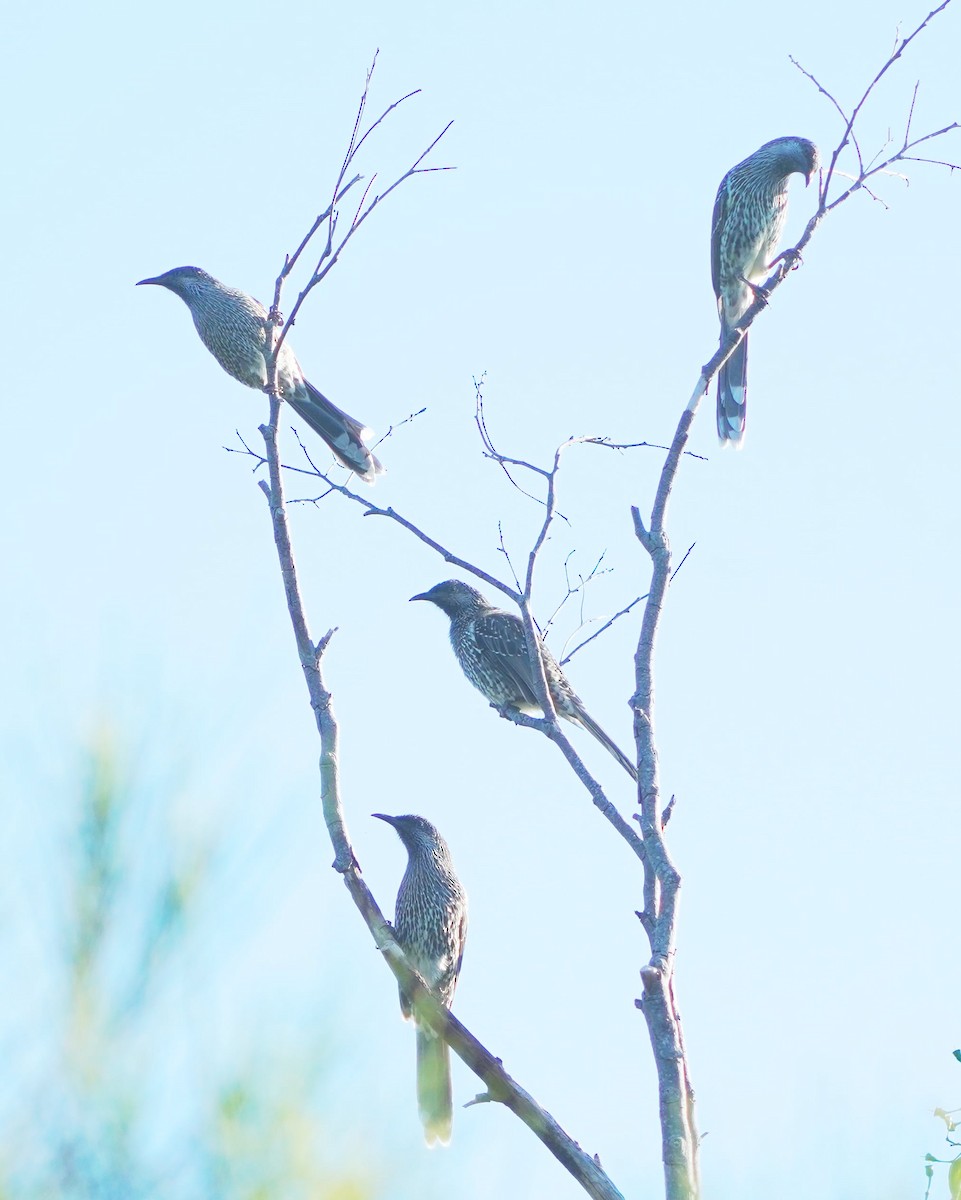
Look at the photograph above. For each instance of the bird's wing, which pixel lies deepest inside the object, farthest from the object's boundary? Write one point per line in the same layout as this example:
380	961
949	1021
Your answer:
461	939
717	224
501	635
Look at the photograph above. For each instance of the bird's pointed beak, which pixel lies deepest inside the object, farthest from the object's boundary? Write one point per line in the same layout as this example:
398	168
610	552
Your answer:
154	280
383	817
419	596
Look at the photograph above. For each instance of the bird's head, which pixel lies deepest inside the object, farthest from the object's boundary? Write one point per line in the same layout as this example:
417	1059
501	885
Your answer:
795	154
454	597
183	281
413	831
808	153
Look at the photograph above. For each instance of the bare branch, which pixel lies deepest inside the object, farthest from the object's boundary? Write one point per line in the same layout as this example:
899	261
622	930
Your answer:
504	460
609	445
310	655
896	53
624	611
549	514
330	254
662	882
579	589
934	162
679	1137
501	1087
480	420
914	100
821	88
503	550
604	628
259	459
291	260
371	509
550	727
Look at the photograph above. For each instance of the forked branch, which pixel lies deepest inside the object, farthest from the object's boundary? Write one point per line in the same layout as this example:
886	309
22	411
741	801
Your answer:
333	247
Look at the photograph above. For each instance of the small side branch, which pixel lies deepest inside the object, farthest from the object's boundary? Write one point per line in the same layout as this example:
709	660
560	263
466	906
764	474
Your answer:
550	727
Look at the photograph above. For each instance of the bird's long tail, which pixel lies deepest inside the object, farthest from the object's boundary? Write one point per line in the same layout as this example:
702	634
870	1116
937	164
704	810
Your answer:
342	433
434	1096
732	397
610	746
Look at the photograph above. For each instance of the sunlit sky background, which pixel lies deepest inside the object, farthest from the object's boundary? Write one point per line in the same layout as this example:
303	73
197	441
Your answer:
808	661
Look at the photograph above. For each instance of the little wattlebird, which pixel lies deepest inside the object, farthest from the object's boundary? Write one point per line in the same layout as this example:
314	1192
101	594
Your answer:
430	921
749	215
233	327
491	647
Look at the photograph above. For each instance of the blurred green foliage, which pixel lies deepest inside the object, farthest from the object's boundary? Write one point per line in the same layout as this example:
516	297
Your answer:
953	1164
111	1097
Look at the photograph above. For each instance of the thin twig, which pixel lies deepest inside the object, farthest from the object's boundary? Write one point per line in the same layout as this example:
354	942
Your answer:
604	628
480	420
579	590
502	548
330	255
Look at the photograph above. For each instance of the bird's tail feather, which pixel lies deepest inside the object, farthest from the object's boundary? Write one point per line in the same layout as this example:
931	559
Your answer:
732	397
609	745
434	1096
342	433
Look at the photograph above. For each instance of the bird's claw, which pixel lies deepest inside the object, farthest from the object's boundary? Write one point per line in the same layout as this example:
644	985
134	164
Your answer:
758	290
790	258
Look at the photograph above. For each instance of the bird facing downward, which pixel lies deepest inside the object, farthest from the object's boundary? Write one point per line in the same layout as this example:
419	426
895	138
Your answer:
491	647
749	215
430	921
233	327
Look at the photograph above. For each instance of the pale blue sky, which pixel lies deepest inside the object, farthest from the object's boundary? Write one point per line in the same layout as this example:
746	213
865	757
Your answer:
808	660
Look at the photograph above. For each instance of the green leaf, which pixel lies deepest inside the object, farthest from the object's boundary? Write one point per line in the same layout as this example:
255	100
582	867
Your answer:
954	1179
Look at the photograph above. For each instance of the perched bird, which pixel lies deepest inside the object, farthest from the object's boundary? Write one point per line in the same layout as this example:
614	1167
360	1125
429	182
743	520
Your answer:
749	215
430	921
491	648
233	327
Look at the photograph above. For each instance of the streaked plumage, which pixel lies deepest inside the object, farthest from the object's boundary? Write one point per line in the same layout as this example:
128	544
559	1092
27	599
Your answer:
430	921
233	327
749	215
491	648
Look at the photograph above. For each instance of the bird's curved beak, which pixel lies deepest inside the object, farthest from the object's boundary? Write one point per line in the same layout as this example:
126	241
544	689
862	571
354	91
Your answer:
142	281
384	817
419	596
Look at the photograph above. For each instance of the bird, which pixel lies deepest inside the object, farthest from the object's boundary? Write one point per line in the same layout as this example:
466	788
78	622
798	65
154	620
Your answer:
491	647
749	215
233	327
430	922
